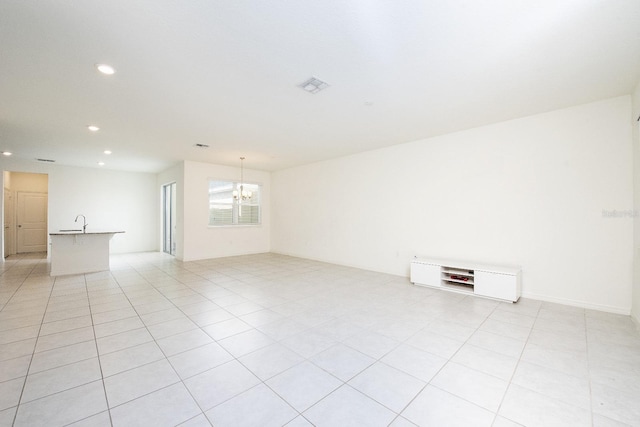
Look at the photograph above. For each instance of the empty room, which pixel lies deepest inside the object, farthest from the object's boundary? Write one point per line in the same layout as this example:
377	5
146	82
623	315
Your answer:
338	213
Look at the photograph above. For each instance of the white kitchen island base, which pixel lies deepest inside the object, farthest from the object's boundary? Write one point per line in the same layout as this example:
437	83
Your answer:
77	252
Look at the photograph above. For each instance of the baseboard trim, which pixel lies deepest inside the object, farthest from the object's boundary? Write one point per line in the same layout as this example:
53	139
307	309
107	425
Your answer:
582	304
636	320
233	254
342	264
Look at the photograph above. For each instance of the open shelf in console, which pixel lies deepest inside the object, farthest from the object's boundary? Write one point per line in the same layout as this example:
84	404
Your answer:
458	278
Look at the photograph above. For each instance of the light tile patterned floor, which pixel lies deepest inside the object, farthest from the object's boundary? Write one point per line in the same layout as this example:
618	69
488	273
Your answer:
271	340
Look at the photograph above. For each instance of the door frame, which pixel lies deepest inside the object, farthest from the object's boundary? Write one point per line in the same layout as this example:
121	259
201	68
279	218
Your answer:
13	188
9	226
169	218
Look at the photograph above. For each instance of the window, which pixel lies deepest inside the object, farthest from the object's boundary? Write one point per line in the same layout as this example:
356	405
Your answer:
225	210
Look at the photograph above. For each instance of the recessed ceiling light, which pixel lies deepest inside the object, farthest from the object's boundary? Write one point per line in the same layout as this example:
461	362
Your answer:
105	69
107	151
6	153
93	128
314	85
100	163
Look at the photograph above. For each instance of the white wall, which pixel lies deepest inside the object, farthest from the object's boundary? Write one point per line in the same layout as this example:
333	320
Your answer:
635	311
202	241
529	192
109	199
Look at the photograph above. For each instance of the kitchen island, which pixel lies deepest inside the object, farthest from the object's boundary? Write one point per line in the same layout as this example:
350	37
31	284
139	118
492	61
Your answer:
77	252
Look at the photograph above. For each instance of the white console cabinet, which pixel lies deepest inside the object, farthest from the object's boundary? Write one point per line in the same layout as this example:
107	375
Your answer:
490	281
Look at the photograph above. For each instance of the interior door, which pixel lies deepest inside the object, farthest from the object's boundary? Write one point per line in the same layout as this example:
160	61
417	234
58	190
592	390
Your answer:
8	224
31	217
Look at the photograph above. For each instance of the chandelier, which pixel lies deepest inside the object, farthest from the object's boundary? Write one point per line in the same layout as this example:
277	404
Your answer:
242	194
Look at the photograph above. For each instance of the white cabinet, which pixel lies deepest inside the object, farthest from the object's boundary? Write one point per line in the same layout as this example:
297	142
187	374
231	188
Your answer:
490	281
497	285
424	273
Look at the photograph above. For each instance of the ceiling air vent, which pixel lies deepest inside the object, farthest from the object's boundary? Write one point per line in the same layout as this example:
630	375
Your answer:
314	85
46	160
201	146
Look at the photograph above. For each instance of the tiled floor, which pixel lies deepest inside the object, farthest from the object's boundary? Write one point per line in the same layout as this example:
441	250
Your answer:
270	340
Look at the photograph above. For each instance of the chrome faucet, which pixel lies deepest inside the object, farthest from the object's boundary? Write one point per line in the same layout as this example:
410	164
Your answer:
84	220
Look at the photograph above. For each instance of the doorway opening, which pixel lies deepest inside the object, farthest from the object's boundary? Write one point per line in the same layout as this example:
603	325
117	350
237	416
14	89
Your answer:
169	218
25	213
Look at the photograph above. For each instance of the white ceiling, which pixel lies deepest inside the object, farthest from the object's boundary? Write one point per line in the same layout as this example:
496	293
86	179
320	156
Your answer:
225	73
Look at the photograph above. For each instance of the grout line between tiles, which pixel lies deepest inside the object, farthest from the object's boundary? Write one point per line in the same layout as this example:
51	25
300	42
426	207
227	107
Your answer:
515	369
15	416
